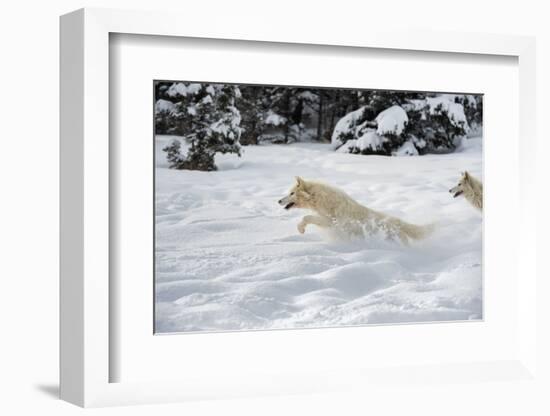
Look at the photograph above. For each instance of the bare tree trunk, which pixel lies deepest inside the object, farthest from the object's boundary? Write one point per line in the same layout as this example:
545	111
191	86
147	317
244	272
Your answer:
286	112
320	117
334	100
355	100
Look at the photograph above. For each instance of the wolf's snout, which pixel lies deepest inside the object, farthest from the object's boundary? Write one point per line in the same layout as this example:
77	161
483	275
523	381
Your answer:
455	192
286	202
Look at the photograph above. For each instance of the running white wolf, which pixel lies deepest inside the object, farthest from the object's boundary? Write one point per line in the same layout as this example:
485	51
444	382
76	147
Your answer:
336	209
471	188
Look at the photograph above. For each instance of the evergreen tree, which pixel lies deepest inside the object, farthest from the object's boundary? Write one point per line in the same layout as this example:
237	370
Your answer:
284	114
174	156
212	124
437	121
254	110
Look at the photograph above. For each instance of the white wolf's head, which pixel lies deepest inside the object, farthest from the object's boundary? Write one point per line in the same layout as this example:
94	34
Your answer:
464	184
297	197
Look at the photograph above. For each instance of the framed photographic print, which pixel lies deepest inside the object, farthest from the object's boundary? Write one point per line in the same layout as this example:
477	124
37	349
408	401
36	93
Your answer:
268	226
291	207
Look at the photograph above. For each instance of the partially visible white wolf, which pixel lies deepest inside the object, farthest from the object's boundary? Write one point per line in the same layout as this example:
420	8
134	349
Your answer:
336	209
471	188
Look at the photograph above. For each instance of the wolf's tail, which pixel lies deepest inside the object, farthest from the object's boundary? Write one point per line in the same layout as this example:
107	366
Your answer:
419	232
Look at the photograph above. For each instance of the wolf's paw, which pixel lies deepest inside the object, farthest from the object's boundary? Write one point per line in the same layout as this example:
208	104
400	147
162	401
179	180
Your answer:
302	227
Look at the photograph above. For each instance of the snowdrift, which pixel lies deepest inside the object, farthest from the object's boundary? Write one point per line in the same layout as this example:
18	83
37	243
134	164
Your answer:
230	258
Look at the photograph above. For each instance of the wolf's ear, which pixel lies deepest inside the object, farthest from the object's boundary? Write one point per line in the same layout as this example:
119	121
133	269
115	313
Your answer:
300	181
466	174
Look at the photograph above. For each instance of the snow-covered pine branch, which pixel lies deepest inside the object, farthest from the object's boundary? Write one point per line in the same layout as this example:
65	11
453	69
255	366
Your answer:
356	134
419	125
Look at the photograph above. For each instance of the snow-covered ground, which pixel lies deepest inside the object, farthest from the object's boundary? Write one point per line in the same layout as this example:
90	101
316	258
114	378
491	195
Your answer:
228	257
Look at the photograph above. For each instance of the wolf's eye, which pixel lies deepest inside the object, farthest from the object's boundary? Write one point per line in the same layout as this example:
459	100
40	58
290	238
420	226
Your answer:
292	193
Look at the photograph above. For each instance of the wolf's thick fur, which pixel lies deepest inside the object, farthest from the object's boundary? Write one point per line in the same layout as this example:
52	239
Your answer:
336	209
471	188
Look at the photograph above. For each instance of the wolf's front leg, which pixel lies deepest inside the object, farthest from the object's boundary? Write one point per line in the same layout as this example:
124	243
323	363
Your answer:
313	219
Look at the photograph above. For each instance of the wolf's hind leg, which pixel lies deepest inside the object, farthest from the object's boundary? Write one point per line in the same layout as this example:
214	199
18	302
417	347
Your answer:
322	222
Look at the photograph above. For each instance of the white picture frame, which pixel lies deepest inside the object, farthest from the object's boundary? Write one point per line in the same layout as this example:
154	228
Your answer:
85	221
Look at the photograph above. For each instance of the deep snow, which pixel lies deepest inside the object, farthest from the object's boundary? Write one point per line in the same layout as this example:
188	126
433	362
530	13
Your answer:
228	257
